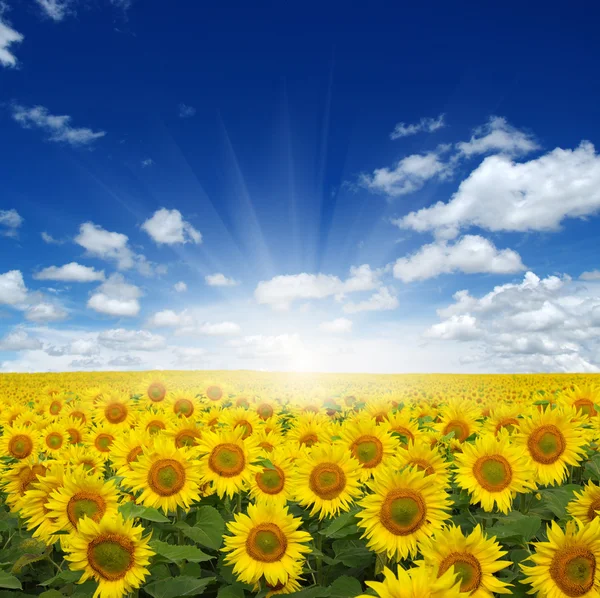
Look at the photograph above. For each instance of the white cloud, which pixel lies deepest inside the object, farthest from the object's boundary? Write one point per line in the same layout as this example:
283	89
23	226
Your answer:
58	127
257	346
220	280
425	125
337	326
168	227
116	297
147	162
408	175
47	238
471	254
497	136
591	275
80	346
186	111
125	361
188	324
502	195
45	312
8	36
72	272
382	300
57	10
549	324
180	287
86	363
135	340
12	288
19	340
189	357
10	221
219	328
281	291
168	318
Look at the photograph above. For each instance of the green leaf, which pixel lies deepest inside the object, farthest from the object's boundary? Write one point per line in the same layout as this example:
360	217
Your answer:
9	581
177	586
62	578
130	510
515	525
179	553
345	587
352	553
556	499
209	527
314	592
231	592
342	521
51	594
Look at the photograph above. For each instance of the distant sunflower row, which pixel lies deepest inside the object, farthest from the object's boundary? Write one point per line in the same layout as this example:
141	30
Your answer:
72	460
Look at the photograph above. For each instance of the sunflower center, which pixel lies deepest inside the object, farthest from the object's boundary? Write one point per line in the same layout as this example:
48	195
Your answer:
55	407
54	440
227	460
85	503
20	446
266	543
595	506
103	442
186	438
156	392
546	444
74	435
408	435
265	411
166	477
133	454
422	465
493	473
327	480
267	446
510	423
29	475
585	406
115	413
403	512
78	415
309	439
368	450
155	426
247	427
214	392
466	566
460	429
271	481
111	556
183	407
573	570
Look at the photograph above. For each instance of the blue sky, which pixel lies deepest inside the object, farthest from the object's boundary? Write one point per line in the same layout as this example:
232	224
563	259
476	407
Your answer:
302	187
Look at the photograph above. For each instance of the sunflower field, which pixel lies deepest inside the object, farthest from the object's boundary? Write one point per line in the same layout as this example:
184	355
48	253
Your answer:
239	484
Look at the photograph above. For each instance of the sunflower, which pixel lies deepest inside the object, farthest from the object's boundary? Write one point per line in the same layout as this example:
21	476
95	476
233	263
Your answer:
493	471
82	494
153	421
459	417
273	485
54	437
101	439
79	411
113	552
553	441
228	462
34	504
184	432
76	455
265	409
76	431
583	398
213	393
212	417
418	582
402	425
153	389
182	404
289	587
126	448
11	413
327	479
424	458
19	442
166	476
268	441
19	477
310	429
503	417
586	504
405	507
241	418
568	563
475	559
114	409
266	542
371	444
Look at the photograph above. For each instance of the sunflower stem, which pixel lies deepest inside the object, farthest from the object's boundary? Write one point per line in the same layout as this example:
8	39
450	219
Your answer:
319	560
238	508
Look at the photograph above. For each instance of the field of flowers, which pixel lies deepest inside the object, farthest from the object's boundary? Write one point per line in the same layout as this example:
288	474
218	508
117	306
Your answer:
230	484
